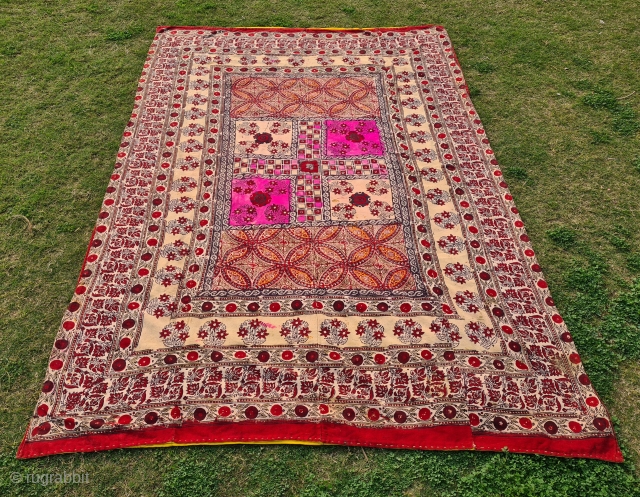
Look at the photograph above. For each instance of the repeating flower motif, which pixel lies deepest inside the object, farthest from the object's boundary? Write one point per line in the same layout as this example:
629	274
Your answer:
481	334
437	196
184	184
446	331
420	136
432	174
253	332
187	164
415	120
451	244
163	306
180	226
446	220
213	333
295	331
175	250
370	332
360	199
263	138
182	205
458	272
348	138
169	275
258	200
334	331
296	61
408	331
175	334
468	300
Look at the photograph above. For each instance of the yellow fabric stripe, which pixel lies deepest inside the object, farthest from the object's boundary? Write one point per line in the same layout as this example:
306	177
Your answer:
267	442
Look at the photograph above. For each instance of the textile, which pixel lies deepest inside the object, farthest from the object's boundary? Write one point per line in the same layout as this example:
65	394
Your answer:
307	239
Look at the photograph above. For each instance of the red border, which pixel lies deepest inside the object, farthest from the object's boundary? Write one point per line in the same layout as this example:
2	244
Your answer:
452	437
403	29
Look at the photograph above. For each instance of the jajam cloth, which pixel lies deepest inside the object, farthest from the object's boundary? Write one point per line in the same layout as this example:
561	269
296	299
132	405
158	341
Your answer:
307	239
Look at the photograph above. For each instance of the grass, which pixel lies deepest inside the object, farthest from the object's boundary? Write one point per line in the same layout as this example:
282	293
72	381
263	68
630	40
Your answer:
554	83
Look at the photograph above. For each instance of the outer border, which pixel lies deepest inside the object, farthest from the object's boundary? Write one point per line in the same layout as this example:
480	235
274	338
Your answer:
451	437
433	438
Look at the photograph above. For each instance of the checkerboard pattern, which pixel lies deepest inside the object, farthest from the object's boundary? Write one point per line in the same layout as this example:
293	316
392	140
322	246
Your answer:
309	139
278	167
308	198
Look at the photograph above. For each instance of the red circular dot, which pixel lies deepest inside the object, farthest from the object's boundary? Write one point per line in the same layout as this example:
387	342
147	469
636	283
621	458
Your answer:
525	423
119	365
424	414
404	357
373	414
56	364
251	412
575	427
287	355
475	362
592	401
276	410
348	414
379	359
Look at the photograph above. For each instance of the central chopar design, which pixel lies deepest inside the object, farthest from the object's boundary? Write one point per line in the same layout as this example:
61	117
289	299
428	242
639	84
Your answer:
331	258
312	201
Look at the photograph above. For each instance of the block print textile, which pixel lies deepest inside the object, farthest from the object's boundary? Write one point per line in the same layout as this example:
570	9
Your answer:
307	238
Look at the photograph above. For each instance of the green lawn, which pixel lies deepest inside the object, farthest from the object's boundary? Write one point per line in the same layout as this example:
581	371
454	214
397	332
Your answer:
557	84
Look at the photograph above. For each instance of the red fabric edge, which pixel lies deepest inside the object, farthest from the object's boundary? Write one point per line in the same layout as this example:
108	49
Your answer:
604	448
452	437
161	29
